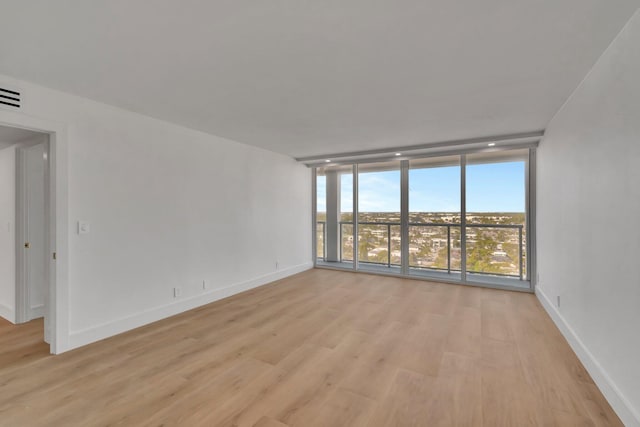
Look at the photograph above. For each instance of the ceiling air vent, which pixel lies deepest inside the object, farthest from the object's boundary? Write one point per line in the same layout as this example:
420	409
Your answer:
9	97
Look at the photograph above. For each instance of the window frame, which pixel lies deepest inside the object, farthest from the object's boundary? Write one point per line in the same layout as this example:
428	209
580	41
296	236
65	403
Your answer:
526	284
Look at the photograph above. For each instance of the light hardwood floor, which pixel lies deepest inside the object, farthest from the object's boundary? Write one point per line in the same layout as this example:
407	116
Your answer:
322	348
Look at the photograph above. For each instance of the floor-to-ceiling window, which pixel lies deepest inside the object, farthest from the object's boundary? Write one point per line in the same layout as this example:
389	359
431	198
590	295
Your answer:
321	215
434	217
496	214
334	216
462	217
379	227
346	238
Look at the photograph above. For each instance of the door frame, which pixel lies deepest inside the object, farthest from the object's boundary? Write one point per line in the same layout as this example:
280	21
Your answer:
57	223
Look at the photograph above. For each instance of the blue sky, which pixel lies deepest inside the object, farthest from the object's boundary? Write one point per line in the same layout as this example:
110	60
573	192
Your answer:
493	187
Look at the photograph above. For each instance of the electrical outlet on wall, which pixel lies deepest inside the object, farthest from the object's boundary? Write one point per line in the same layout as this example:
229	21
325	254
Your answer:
558	301
205	284
177	292
277	265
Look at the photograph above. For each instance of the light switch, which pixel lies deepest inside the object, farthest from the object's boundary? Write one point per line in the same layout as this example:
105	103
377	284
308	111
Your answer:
84	227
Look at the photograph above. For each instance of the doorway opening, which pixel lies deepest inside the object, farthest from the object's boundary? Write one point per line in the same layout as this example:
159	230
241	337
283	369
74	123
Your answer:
24	224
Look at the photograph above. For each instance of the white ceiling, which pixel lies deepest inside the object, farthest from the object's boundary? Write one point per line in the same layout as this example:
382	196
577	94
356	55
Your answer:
307	77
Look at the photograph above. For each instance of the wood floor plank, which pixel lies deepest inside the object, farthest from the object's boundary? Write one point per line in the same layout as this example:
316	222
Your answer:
370	380
344	408
193	407
459	390
321	348
407	401
269	422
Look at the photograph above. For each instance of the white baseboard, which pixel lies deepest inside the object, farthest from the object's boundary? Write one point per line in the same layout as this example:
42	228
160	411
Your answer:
7	313
37	311
620	404
109	329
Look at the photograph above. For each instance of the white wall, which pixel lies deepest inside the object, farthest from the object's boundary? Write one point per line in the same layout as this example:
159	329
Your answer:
168	207
7	233
589	222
